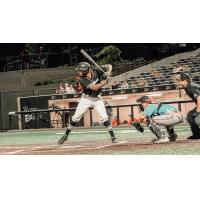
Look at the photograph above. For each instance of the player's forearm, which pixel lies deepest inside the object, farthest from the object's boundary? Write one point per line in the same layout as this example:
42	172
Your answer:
141	118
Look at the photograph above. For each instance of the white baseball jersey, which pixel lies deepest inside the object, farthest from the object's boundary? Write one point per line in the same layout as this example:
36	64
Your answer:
91	98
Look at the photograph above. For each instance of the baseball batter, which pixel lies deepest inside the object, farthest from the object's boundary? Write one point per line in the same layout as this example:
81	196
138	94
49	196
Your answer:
92	81
158	114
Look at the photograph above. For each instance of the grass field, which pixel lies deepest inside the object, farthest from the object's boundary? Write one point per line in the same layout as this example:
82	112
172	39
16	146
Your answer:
94	141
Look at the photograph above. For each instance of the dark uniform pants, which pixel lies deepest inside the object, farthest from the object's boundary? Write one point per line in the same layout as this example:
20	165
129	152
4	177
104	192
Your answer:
194	122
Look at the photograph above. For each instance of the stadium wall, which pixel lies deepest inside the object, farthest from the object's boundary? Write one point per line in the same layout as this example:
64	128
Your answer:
44	102
26	79
9	104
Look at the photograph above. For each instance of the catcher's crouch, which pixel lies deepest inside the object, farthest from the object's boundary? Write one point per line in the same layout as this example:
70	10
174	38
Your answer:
158	114
92	81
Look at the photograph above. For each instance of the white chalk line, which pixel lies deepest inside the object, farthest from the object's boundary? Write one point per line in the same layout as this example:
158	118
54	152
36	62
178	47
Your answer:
23	148
57	147
100	131
82	147
8	147
12	152
69	147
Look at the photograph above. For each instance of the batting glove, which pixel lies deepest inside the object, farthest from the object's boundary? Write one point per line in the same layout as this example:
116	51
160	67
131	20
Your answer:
106	75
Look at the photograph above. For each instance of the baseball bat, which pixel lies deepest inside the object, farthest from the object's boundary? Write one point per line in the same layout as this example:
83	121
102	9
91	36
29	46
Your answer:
91	60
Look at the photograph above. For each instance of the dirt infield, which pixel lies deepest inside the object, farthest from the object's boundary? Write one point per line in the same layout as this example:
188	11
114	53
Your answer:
103	147
95	141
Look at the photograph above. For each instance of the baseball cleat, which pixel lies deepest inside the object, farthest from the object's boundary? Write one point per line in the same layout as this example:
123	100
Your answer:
173	138
162	141
62	139
154	139
114	140
193	137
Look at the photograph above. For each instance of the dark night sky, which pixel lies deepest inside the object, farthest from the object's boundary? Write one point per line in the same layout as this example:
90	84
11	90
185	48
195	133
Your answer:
9	49
129	50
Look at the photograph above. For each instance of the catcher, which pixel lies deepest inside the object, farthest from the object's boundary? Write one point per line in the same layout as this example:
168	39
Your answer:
158	114
92	80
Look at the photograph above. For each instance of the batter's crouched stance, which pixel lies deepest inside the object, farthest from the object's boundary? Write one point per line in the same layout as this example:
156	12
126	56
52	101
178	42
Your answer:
158	114
92	81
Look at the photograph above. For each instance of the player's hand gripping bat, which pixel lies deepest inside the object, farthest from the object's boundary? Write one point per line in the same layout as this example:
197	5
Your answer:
93	62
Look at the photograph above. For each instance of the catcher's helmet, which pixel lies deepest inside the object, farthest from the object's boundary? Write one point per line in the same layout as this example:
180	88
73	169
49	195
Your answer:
144	99
83	67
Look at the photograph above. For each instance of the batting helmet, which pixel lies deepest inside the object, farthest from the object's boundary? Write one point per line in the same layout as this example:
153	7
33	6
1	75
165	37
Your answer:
83	66
184	77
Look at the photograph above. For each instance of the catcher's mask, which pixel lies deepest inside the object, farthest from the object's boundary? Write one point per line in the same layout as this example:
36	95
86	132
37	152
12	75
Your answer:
143	99
83	67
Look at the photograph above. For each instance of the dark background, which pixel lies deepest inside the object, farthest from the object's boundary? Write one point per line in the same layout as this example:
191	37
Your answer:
129	50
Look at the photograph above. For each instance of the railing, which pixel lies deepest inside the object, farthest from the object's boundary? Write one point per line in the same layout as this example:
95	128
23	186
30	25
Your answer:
44	114
125	67
120	91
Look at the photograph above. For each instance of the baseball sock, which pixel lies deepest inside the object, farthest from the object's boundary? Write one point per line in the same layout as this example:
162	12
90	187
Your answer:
70	127
171	132
109	127
170	129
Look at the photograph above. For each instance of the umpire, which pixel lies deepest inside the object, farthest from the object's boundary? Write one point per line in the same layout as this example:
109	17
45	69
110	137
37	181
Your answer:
193	91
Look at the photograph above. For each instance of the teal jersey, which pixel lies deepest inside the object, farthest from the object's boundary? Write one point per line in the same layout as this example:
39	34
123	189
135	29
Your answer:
164	108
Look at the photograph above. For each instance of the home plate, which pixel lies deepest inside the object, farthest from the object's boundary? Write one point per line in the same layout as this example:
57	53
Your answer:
122	142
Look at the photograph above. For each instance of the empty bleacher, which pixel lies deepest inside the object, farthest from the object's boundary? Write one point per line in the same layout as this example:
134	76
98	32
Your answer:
164	75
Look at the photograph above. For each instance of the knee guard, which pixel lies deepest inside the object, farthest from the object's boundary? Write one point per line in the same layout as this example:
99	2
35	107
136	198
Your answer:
155	129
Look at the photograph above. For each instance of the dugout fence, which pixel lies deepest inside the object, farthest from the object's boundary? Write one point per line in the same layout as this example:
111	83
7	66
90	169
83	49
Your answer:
38	98
8	103
35	119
